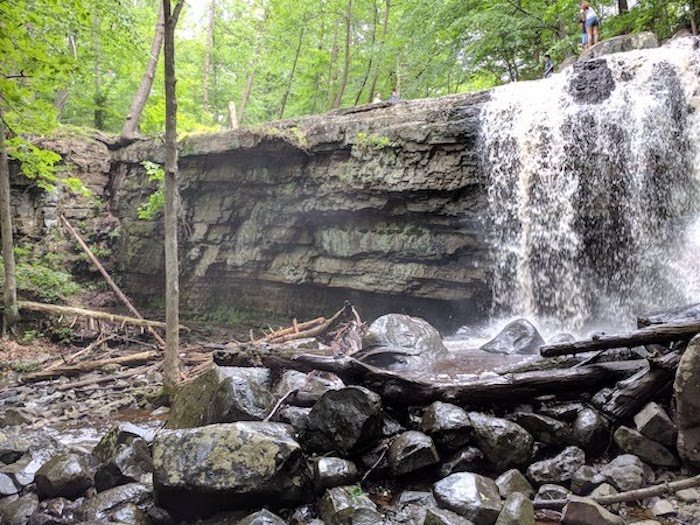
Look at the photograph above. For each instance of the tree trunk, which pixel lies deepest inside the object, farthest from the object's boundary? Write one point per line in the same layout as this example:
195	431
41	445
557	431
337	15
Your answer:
375	23
172	272
332	70
294	69
622	6
10	314
346	65
98	97
319	48
207	54
232	118
380	54
62	96
129	130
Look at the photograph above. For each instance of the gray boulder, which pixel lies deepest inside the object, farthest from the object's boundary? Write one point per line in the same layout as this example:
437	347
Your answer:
435	516
334	472
222	394
470	495
504	443
654	423
585	480
470	459
513	481
606	489
447	424
620	44
559	469
592	431
518	337
128	463
309	387
681	314
7	486
262	517
646	449
13	445
517	510
65	475
686	388
348	505
544	429
403	341
627	472
19	511
200	471
411	451
552	491
344	419
585	511
411	507
103	504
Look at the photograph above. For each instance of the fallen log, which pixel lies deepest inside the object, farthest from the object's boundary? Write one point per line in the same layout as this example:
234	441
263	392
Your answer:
664	333
88	366
627	496
81	312
401	387
630	395
316	329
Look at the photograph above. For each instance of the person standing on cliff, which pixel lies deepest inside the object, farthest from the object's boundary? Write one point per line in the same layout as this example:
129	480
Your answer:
591	22
377	98
548	66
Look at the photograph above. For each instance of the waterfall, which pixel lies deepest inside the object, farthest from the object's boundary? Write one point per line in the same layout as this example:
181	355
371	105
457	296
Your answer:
594	188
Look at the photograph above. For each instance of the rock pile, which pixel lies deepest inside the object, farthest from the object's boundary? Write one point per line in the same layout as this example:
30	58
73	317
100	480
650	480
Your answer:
340	453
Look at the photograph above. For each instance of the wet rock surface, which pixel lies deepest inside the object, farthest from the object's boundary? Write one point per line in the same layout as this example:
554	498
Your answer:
65	476
519	337
503	443
411	451
447	424
687	394
559	469
470	495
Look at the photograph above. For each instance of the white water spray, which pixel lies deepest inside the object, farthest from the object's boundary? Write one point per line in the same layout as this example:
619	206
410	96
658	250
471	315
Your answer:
595	199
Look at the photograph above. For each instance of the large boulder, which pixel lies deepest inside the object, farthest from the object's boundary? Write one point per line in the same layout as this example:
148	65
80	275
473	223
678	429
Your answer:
518	337
648	450
559	469
687	394
222	394
654	423
470	495
411	451
504	444
203	470
65	475
19	511
100	507
403	341
348	505
620	44
592	431
447	424
627	472
544	429
343	420
124	456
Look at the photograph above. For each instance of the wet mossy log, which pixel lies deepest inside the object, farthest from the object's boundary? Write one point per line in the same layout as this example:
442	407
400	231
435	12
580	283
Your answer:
402	388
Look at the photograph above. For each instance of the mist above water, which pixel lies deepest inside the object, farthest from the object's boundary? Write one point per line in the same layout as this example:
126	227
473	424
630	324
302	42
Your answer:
594	205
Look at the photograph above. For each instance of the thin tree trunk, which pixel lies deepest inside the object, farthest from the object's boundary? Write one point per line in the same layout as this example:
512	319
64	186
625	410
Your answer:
207	54
294	69
10	314
232	118
62	96
346	65
317	76
385	29
622	6
248	88
139	101
172	272
332	70
98	98
375	21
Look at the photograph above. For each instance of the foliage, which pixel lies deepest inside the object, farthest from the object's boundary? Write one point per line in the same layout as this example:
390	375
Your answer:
226	315
39	277
156	201
372	141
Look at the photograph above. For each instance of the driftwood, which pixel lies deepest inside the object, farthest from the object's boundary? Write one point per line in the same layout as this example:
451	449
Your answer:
631	394
347	311
109	279
81	312
628	496
294	329
664	333
88	366
394	386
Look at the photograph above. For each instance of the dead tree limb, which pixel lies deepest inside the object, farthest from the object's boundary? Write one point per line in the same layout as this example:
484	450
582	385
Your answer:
102	316
627	496
88	366
664	333
109	279
296	328
345	311
403	388
106	378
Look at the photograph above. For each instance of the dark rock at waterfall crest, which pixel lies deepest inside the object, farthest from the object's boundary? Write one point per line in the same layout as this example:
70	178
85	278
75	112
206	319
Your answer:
620	44
403	341
591	82
518	337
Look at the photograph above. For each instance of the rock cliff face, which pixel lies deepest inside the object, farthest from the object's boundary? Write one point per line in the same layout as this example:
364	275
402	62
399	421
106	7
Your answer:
381	204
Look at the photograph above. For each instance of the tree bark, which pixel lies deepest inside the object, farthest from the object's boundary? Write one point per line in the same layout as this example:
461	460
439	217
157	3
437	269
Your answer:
171	367
129	130
232	118
399	388
385	30
375	23
11	313
622	7
294	69
663	333
346	64
332	69
98	97
207	54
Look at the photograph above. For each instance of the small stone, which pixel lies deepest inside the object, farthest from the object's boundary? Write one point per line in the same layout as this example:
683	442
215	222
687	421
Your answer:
513	481
263	517
627	472
412	507
65	475
552	491
585	511
470	495
606	490
334	472
558	469
348	504
647	450
470	459
517	510
585	480
691	495
592	431
411	451
7	486
544	429
654	423
444	517
663	507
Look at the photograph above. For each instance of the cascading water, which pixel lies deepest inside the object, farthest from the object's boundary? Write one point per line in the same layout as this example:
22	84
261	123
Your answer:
594	189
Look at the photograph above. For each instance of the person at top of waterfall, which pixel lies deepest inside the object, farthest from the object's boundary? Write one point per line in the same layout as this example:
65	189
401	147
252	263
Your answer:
548	66
591	22
395	97
377	98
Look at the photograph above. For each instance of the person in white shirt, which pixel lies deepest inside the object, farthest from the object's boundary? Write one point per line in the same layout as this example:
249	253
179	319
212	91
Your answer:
591	21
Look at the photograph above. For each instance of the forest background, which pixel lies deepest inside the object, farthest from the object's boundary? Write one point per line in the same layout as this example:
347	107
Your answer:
80	62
